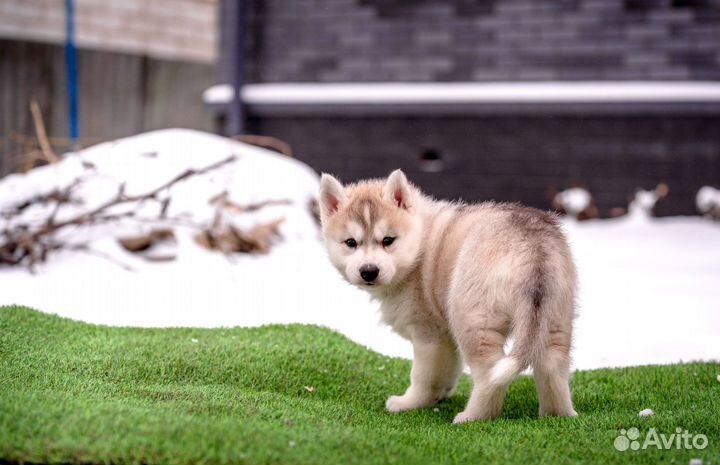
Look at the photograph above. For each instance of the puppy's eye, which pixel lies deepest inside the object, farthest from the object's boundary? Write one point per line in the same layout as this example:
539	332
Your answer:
352	243
387	241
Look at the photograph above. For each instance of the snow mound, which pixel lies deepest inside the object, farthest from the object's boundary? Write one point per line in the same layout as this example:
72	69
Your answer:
293	283
149	160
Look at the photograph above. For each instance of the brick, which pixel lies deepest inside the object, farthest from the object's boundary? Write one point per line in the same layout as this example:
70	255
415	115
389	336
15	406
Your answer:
646	59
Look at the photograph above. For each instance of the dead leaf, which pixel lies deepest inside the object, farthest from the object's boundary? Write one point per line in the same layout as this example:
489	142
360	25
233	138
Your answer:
229	239
144	242
151	246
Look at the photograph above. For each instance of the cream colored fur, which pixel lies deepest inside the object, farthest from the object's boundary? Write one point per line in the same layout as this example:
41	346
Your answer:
457	281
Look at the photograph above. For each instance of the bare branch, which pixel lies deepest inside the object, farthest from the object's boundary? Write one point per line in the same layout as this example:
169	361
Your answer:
97	253
29	244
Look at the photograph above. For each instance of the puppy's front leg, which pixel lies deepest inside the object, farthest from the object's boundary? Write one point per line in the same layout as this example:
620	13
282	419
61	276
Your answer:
434	375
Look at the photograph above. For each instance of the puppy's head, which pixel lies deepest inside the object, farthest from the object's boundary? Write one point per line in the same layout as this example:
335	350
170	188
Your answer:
372	229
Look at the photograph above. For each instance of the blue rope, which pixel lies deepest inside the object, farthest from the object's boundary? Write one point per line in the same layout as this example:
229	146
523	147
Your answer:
71	69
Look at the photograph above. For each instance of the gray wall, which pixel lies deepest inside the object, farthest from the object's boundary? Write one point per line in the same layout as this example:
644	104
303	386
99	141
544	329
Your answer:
481	40
518	158
120	94
512	156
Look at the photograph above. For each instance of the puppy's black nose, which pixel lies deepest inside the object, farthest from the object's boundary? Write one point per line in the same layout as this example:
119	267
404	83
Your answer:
369	272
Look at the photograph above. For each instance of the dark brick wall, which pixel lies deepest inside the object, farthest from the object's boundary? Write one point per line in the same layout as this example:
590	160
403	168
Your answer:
518	158
482	40
499	156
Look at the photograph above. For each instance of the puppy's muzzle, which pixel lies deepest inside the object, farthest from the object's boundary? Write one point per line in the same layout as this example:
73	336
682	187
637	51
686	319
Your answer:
369	273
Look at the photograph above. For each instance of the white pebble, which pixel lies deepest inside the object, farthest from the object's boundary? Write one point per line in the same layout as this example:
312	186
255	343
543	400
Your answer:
194	341
696	462
646	413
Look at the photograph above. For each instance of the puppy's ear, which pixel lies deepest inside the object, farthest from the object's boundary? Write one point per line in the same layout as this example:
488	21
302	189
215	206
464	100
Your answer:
332	195
398	190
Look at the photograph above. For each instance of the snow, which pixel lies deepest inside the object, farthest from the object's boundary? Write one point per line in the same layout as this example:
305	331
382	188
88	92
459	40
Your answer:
646	413
643	203
574	200
475	92
645	200
707	199
649	290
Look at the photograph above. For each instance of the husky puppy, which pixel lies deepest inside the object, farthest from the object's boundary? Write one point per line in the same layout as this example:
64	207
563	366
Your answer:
457	280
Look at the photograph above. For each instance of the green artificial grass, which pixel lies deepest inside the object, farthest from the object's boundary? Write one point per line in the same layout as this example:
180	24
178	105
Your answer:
77	393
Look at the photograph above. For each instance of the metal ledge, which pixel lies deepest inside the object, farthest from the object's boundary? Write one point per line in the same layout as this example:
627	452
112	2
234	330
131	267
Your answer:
415	99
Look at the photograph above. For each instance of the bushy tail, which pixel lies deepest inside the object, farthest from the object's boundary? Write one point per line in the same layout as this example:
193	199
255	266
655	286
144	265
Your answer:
530	332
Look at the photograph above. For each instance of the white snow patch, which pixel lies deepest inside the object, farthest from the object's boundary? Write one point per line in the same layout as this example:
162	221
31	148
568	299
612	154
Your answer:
646	413
648	290
707	199
648	286
574	200
641	207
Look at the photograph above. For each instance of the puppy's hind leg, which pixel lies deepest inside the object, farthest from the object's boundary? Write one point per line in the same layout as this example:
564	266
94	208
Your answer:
434	375
482	352
551	373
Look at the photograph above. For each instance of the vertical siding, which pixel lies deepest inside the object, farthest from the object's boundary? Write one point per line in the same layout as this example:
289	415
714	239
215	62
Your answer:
120	95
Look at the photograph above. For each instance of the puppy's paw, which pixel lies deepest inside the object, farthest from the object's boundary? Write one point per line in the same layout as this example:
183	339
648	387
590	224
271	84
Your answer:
568	413
396	404
465	417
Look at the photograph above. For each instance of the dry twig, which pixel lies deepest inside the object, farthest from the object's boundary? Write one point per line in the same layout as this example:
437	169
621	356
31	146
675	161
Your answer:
222	200
41	134
27	244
